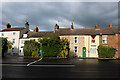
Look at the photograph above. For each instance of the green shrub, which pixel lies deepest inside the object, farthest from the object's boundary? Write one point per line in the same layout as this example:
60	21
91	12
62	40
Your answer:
50	45
106	51
53	46
64	48
29	47
35	53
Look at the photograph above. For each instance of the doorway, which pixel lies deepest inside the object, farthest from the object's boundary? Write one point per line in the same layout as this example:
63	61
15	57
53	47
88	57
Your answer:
84	52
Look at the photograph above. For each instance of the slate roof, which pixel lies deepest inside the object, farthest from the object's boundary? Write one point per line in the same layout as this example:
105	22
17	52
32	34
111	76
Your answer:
39	34
80	31
87	31
14	29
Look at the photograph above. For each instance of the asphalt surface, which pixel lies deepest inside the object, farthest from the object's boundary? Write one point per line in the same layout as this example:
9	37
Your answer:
14	68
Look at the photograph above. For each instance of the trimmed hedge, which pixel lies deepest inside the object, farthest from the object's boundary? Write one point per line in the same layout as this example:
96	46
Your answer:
106	51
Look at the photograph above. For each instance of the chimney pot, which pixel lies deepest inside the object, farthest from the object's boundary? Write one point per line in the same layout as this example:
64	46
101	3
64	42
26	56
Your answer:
26	25
110	25
36	29
8	25
56	27
72	26
97	26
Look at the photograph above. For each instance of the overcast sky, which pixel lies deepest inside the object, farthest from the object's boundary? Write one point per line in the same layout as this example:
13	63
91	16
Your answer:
46	14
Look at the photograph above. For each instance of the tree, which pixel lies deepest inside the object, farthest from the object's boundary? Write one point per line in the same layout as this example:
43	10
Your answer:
5	45
50	45
9	44
64	48
30	46
53	46
35	53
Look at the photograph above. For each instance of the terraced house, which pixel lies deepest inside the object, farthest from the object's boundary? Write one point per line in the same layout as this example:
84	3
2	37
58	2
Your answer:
83	41
13	34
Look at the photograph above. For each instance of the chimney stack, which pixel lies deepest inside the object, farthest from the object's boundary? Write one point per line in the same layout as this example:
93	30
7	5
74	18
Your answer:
8	25
97	26
110	25
72	26
26	25
56	27
36	29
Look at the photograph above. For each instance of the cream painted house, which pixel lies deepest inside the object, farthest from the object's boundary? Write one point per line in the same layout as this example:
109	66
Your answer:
13	35
82	45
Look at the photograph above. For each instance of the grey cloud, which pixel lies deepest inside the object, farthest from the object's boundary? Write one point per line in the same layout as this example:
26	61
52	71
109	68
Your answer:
46	14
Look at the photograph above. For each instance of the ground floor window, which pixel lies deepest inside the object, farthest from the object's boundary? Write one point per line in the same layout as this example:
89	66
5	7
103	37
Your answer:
93	50
12	49
75	49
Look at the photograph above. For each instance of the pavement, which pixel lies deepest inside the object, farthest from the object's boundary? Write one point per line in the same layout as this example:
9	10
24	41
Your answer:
17	67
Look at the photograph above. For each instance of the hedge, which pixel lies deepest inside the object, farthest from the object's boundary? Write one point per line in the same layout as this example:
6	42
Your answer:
29	47
106	51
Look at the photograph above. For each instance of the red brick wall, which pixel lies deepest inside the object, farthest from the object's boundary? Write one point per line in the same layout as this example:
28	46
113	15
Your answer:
119	45
112	41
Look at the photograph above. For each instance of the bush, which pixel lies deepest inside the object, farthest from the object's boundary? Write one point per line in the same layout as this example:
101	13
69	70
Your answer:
35	53
64	48
29	47
4	46
106	51
50	45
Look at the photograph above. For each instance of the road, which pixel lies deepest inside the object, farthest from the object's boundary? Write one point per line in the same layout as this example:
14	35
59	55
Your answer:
56	68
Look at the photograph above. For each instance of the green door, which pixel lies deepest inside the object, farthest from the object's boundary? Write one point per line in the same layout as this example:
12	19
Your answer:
84	51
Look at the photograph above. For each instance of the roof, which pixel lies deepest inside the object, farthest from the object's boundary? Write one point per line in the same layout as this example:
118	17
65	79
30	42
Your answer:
87	31
14	29
39	34
80	31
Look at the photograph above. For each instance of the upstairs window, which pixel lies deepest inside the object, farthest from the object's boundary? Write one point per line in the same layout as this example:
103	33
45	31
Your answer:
22	41
104	40
2	34
75	49
13	33
76	39
13	41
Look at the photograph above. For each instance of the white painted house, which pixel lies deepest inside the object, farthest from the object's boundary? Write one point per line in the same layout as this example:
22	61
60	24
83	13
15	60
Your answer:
13	35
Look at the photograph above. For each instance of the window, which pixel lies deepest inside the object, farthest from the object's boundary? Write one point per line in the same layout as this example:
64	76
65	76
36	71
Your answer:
104	40
93	50
13	33
76	39
75	49
22	41
13	41
2	34
12	49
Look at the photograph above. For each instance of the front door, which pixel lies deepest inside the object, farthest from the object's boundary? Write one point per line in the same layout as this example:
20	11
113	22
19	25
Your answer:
84	52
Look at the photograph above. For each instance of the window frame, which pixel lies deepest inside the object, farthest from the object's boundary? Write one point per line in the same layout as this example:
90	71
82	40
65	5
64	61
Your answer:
13	41
2	34
76	39
75	49
14	33
104	39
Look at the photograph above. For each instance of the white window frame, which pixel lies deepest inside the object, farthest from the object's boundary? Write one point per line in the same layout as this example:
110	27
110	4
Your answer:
77	49
93	50
22	41
75	39
14	33
2	34
13	41
104	39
